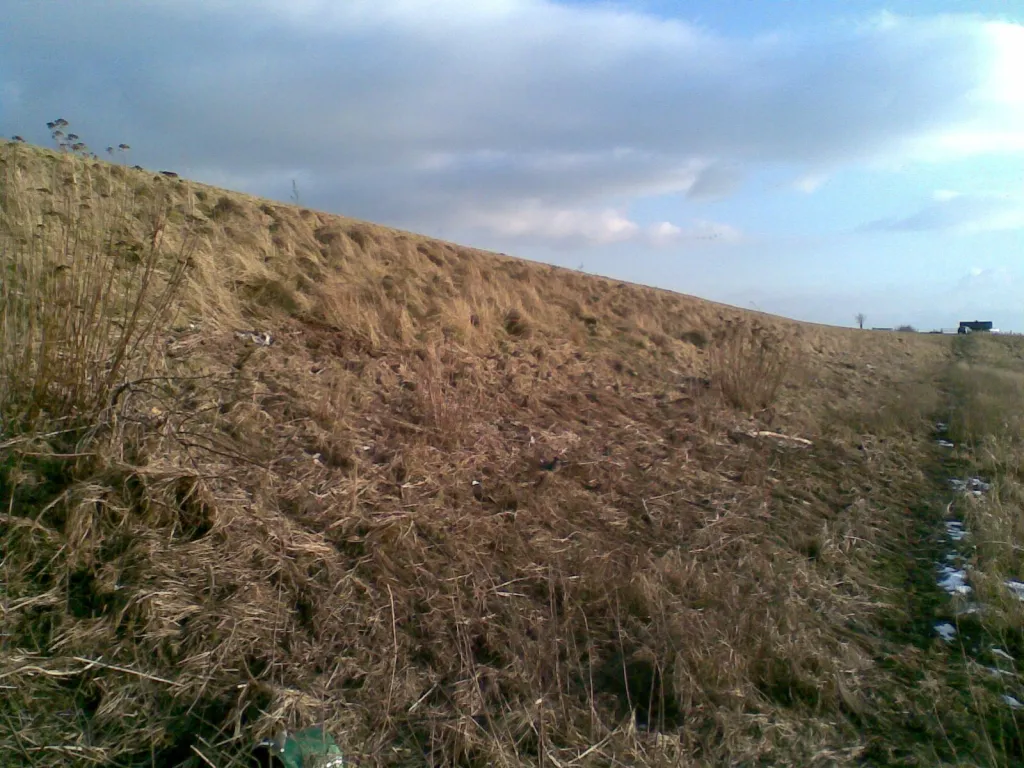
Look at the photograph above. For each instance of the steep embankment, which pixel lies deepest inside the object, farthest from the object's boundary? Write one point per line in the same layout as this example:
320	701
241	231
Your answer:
464	509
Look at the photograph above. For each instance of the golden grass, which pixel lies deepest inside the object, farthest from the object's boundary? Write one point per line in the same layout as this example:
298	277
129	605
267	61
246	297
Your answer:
464	510
749	363
988	386
87	277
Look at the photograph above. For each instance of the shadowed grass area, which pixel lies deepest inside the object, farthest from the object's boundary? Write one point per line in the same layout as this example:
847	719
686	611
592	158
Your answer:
462	509
987	384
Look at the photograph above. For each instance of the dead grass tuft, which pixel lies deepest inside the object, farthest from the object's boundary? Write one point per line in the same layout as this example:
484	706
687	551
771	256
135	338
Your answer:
749	364
516	323
90	275
226	207
698	339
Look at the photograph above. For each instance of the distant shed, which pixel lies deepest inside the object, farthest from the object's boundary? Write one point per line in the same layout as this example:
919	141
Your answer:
975	326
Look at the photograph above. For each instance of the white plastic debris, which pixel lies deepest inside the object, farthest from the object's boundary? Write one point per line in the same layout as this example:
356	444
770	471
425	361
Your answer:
1012	702
259	338
946	631
941	426
945	443
1000	653
954	580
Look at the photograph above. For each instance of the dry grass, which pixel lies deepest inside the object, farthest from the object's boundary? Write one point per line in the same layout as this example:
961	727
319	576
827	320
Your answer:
465	510
986	387
87	279
749	363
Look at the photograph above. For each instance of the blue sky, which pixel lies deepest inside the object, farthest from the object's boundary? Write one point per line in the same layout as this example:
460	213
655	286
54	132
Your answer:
814	159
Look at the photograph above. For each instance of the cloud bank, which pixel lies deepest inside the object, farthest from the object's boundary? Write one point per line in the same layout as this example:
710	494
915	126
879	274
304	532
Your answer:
524	118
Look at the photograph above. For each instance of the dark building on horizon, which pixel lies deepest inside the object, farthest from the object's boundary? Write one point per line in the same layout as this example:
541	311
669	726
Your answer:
974	326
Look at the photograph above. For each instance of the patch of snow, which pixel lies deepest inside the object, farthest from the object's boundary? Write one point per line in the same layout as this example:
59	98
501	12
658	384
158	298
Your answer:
946	631
970	609
974	485
954	580
1000	653
1012	702
945	443
941	426
998	672
1017	587
955	530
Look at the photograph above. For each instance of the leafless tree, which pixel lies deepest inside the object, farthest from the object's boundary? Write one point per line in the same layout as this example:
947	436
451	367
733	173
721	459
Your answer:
859	317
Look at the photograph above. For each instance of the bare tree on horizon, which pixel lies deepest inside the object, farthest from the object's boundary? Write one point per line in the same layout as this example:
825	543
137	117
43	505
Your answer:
860	318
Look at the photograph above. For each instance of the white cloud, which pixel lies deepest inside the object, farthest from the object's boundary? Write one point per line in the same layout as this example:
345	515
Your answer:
534	221
666	233
810	183
991	118
992	282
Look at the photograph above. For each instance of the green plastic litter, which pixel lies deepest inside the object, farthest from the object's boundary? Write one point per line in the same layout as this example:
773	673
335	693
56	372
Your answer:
309	748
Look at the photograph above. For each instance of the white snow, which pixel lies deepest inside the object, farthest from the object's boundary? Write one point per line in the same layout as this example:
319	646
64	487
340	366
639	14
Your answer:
973	485
954	580
955	530
999	672
946	631
1017	587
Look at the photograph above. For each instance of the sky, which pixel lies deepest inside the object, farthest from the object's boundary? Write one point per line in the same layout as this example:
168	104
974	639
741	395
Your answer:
807	158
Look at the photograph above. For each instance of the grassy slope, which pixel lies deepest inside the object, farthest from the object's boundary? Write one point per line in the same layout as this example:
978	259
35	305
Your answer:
288	533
